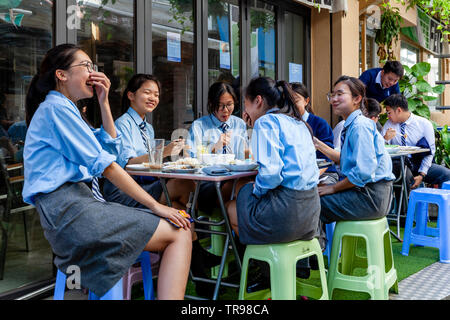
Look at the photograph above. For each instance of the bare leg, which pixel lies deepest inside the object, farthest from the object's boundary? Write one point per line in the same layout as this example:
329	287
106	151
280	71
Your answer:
232	214
175	261
179	191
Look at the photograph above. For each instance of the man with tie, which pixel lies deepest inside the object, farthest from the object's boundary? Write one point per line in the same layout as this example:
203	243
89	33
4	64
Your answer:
407	129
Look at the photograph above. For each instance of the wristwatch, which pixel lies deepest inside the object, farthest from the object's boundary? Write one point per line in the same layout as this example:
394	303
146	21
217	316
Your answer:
422	174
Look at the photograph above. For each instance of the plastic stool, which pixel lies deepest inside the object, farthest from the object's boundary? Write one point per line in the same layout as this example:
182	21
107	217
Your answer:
381	274
282	259
115	293
418	203
329	227
132	276
143	273
446	185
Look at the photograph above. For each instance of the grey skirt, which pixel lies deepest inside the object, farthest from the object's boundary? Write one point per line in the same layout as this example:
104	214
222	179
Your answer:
281	215
372	201
102	239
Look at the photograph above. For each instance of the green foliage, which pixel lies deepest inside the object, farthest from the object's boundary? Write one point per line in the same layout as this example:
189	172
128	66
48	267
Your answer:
389	32
442	155
439	9
417	90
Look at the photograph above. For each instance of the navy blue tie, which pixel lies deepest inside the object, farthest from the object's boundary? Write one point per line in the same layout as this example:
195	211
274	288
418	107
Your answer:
402	131
143	134
343	133
224	127
96	190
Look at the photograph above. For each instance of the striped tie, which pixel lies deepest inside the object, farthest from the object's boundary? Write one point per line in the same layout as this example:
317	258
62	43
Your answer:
224	127
343	133
402	131
143	134
96	190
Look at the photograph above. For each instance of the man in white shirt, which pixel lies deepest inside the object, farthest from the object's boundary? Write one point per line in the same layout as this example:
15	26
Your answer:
407	129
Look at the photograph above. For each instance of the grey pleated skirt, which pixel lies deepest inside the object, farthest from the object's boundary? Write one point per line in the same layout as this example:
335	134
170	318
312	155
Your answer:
281	215
102	239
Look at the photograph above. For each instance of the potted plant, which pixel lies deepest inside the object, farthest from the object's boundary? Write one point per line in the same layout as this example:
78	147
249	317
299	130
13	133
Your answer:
389	31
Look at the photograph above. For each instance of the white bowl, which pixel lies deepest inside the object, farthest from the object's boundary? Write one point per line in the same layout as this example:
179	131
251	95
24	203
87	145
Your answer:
209	159
225	158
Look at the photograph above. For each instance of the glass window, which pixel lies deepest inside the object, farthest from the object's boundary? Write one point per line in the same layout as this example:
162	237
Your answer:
409	55
223	43
295	47
26	34
262	40
433	76
173	64
106	34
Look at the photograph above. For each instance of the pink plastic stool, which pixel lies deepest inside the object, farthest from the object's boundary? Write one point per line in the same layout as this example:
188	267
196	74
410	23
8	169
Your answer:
134	275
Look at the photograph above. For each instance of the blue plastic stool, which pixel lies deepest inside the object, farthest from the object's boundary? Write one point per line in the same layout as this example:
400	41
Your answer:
329	227
446	185
422	235
116	292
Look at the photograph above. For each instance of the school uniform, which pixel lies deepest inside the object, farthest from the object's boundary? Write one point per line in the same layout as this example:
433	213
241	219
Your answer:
282	204
206	131
322	131
132	146
61	153
366	163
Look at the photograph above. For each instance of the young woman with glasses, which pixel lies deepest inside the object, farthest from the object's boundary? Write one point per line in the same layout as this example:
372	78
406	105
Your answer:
365	192
220	132
62	153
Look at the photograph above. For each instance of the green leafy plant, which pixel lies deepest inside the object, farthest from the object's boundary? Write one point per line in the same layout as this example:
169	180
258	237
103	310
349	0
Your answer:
442	155
439	9
389	32
417	90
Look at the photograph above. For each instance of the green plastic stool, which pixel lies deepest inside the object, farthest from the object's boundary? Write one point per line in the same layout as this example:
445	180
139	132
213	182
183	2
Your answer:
282	259
217	244
381	273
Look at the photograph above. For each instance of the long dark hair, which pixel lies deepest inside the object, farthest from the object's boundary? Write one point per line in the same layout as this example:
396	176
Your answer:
276	94
216	90
134	84
302	90
59	57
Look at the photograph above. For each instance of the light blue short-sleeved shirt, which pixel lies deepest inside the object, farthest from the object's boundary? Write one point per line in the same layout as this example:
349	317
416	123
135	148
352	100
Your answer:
206	131
60	147
364	158
285	152
132	142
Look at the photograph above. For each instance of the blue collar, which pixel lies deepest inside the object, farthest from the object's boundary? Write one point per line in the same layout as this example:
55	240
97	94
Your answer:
355	114
216	122
273	110
135	116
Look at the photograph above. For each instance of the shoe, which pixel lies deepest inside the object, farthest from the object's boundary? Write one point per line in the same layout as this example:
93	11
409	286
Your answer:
199	254
259	283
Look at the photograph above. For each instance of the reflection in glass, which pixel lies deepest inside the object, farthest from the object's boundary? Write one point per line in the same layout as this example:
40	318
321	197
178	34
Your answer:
294	52
262	37
26	35
106	34
223	43
173	65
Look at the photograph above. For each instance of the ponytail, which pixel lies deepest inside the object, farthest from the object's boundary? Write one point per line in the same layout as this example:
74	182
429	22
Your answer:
276	94
59	57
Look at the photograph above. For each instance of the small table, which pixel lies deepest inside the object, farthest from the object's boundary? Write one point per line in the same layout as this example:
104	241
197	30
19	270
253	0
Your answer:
198	178
403	186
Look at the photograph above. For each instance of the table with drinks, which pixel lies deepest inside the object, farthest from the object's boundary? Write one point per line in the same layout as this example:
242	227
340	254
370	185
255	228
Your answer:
215	168
401	152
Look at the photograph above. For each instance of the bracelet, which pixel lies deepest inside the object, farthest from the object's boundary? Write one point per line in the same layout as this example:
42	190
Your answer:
422	174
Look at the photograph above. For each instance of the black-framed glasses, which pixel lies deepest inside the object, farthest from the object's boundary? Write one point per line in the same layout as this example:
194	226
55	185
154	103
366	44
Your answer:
89	66
229	106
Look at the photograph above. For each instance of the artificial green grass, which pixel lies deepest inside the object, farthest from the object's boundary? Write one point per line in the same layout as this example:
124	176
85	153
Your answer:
418	259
